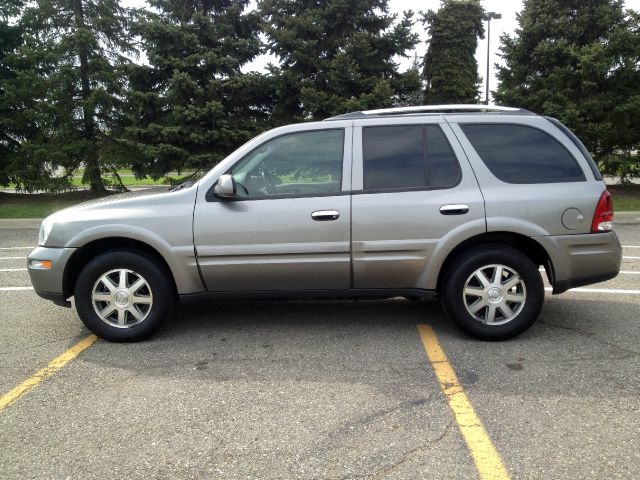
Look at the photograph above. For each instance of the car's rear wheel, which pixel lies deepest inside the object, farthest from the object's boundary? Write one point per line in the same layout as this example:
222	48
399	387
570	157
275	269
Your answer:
124	296
494	293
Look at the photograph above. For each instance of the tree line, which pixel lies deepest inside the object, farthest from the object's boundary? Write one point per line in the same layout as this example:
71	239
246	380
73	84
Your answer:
92	85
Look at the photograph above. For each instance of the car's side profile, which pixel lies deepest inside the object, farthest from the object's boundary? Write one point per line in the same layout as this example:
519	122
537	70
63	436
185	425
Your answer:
465	202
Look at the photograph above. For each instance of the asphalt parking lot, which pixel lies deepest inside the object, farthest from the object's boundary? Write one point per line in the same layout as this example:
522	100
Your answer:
323	390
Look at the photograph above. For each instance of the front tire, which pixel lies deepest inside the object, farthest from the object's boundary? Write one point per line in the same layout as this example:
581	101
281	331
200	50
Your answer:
123	296
494	293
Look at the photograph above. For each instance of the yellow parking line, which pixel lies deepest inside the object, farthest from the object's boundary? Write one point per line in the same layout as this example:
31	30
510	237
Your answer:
484	454
53	366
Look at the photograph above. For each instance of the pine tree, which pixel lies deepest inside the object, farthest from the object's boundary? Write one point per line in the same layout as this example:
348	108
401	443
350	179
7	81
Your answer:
450	66
415	96
577	61
69	86
10	38
192	104
336	56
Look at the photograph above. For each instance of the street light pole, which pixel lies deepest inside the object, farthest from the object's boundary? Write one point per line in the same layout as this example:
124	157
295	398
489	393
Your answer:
488	16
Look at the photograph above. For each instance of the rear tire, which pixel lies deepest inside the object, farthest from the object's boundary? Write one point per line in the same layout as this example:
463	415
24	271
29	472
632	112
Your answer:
494	292
124	296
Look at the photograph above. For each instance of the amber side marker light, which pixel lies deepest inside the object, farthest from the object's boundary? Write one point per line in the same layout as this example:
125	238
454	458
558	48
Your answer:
40	264
603	216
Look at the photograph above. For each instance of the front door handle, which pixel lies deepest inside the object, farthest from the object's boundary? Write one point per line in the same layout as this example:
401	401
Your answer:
457	209
325	215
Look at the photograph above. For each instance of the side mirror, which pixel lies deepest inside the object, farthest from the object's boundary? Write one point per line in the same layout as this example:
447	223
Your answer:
225	187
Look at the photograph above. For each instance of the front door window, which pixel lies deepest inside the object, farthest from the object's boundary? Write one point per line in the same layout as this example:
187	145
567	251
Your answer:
297	164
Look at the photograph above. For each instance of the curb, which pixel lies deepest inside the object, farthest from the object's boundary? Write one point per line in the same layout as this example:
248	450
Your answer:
626	218
20	222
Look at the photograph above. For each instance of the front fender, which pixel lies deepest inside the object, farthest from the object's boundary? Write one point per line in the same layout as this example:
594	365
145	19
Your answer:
180	258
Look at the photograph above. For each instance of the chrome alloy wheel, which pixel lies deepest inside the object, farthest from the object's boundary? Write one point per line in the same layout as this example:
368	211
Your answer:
122	298
494	294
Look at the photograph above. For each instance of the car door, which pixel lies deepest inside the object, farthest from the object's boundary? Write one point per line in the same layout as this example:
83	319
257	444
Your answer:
415	198
288	225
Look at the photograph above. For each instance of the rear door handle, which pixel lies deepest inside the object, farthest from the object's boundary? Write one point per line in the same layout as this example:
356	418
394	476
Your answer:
454	209
325	215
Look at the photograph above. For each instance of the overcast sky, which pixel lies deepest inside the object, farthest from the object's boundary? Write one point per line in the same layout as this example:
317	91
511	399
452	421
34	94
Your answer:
507	24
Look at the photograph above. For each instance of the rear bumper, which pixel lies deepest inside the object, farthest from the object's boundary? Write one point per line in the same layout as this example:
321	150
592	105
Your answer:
578	260
49	283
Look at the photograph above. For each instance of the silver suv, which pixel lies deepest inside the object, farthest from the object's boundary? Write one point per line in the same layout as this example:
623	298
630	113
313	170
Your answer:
464	202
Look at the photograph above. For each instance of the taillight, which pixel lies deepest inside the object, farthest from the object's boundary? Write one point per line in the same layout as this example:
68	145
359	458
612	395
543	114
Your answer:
603	217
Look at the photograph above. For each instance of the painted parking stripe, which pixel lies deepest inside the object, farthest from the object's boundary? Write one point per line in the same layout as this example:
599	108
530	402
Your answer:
13	258
600	290
631	258
621	272
14	289
484	454
13	269
54	365
631	246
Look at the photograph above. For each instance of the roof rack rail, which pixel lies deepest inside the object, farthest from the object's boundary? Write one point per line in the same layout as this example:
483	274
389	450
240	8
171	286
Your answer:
435	109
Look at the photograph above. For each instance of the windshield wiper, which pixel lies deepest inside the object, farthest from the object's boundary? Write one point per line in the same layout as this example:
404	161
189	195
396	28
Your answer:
185	184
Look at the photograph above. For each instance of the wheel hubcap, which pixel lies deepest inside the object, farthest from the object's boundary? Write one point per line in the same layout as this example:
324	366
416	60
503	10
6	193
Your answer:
494	294
122	298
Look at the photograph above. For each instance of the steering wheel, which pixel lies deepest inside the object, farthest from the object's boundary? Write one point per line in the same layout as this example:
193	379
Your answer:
268	183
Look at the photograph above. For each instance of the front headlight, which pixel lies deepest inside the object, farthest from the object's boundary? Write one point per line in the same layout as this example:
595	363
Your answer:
45	230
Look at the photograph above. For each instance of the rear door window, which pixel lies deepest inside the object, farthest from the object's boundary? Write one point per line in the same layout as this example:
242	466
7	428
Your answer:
408	157
522	154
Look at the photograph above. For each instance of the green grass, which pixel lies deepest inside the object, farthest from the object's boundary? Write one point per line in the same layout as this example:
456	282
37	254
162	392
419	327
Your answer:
38	205
127	181
626	198
31	210
127	177
626	204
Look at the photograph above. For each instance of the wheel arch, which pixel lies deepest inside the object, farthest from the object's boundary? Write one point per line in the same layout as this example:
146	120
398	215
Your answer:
528	246
83	255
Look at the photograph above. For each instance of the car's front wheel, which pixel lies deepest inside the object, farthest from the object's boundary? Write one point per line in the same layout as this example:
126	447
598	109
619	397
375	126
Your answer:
124	296
494	293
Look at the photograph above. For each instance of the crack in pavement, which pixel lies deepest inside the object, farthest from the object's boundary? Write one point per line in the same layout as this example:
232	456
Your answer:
405	455
592	336
50	342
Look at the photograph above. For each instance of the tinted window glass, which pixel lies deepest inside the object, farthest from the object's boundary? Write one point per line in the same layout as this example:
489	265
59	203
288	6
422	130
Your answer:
576	141
393	157
304	163
408	156
521	154
442	164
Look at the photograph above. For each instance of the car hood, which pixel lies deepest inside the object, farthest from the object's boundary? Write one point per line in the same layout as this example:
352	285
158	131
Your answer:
120	200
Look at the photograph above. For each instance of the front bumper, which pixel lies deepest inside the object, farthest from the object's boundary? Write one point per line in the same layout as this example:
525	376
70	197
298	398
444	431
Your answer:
578	260
49	284
56	298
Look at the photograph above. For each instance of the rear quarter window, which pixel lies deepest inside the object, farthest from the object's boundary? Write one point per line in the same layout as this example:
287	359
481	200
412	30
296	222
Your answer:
522	154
